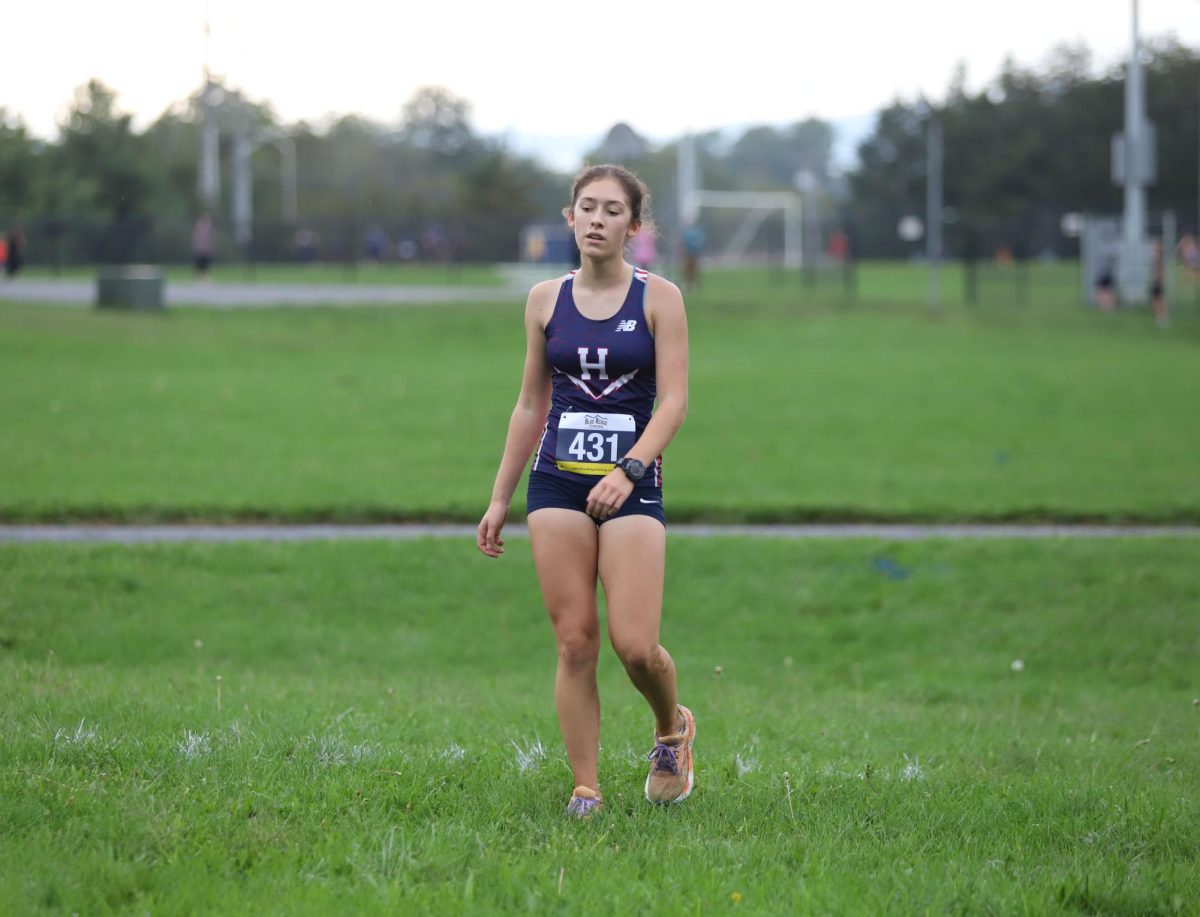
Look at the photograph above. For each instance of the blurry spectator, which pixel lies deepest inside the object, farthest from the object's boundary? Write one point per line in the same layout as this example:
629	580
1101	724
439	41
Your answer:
306	246
535	245
15	254
3	251
693	248
377	243
839	245
1189	253
433	243
202	245
645	249
406	250
1158	299
1106	294
456	243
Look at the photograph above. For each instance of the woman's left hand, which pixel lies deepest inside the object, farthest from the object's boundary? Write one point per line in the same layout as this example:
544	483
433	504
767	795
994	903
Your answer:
609	495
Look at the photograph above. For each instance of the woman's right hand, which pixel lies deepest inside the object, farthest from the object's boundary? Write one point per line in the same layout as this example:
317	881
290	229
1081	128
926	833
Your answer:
488	539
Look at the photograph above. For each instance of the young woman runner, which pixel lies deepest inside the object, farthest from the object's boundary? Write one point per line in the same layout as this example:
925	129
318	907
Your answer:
602	344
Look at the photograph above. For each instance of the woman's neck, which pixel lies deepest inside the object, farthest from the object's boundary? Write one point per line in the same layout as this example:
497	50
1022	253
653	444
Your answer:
601	274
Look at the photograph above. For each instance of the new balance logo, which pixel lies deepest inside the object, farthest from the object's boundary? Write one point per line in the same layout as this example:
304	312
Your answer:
629	324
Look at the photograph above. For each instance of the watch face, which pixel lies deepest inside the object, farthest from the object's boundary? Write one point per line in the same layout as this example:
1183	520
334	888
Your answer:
634	469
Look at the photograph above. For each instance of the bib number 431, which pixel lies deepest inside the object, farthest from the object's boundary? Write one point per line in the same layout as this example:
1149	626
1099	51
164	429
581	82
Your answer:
594	447
591	442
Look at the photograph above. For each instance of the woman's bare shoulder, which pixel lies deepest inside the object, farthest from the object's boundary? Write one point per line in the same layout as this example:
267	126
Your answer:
662	294
656	283
542	297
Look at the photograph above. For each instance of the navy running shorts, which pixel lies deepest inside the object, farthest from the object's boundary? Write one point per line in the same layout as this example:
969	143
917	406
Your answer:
547	490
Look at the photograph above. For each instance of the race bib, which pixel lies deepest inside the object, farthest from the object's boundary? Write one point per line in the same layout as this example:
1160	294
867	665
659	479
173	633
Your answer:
590	442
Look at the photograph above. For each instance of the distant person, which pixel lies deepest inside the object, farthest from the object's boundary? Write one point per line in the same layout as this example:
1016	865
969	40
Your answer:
3	251
305	241
645	250
1189	254
535	245
377	244
1105	291
14	254
433	244
603	344
1158	297
202	245
406	250
693	249
839	245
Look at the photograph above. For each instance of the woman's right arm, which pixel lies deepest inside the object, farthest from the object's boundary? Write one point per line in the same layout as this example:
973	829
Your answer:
528	418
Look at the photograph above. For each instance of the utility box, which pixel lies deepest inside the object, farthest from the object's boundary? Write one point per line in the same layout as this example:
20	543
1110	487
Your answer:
137	287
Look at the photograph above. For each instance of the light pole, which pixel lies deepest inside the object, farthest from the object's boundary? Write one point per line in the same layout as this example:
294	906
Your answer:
934	211
1136	167
210	155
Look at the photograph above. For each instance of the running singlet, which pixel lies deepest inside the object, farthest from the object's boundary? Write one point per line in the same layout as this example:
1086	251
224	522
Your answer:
602	374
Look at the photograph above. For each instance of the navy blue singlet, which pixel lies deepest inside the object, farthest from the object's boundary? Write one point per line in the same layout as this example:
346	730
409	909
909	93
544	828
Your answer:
603	378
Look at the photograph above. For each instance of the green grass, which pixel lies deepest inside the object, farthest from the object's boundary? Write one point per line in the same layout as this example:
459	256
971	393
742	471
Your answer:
325	727
802	407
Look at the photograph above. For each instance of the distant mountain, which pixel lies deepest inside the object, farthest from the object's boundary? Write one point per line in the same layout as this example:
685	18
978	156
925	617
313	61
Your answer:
564	152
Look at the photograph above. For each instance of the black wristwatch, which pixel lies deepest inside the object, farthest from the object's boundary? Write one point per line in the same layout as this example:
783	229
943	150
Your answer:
634	470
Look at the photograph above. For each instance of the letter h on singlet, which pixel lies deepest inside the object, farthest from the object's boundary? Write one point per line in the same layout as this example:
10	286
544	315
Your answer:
585	366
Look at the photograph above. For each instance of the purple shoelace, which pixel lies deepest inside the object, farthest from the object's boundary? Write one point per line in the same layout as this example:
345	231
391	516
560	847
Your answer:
664	759
581	805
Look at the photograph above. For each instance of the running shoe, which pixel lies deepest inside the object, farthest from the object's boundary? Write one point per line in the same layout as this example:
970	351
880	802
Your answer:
584	802
671	778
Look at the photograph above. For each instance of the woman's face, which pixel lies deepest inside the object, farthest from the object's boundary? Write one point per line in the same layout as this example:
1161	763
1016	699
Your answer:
602	219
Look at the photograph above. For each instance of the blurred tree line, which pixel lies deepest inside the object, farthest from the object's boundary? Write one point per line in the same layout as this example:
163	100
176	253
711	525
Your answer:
1027	149
103	191
1018	154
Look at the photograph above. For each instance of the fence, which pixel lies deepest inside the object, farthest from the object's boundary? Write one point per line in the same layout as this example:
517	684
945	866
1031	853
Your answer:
59	243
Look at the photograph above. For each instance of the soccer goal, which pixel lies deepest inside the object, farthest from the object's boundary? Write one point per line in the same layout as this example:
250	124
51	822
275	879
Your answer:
769	223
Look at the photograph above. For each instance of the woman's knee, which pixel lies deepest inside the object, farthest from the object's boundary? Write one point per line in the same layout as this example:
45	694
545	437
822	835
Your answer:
578	649
639	657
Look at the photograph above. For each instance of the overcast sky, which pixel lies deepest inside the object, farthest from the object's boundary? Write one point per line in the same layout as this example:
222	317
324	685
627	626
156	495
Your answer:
552	76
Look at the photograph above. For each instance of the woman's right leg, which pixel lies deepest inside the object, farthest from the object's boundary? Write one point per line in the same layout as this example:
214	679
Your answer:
564	551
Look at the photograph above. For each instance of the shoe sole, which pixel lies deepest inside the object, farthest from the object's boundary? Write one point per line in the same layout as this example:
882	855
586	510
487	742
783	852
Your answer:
691	780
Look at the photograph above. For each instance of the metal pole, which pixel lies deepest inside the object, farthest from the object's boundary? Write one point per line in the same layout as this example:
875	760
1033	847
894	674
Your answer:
688	210
933	212
287	150
210	151
792	253
243	192
1133	275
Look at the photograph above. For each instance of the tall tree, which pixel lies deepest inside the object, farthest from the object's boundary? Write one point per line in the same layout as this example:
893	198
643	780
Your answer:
19	167
99	149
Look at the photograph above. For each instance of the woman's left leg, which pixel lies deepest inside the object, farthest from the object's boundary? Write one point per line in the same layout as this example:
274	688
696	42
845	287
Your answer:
632	559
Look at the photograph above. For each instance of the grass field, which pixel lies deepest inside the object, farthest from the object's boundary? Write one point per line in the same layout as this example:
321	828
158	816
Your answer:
802	407
321	727
969	727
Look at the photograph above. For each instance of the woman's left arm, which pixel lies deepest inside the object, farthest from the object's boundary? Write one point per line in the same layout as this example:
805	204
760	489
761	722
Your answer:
668	322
